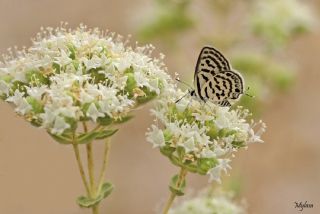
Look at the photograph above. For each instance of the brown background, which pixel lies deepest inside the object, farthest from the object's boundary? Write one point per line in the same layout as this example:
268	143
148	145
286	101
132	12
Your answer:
38	175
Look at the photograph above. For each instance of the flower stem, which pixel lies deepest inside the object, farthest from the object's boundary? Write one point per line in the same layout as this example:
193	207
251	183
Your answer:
95	209
93	190
90	165
80	166
182	175
105	163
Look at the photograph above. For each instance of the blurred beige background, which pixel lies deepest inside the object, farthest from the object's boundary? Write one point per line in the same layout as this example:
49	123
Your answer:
38	175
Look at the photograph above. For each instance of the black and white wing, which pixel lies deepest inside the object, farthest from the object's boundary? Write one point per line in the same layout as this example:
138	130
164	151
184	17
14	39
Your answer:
223	88
215	80
210	62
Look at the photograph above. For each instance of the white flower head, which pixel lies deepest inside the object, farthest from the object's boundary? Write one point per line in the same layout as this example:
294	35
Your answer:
202	137
80	75
217	201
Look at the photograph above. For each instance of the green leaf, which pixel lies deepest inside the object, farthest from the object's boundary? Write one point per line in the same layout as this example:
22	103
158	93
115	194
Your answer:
174	185
35	76
167	150
63	139
7	78
96	76
90	136
76	64
175	160
167	135
37	106
130	84
191	168
3	97
226	132
123	119
87	202
212	132
72	50
106	133
19	85
72	122
129	70
87	137
150	95
204	164
56	67
36	122
106	189
238	144
104	121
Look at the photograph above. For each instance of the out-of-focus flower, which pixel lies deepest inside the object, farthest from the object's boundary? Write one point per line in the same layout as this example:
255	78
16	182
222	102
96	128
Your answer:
219	202
68	76
201	137
277	21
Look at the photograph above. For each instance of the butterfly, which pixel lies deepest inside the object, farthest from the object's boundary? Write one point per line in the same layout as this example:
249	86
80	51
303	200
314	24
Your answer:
215	80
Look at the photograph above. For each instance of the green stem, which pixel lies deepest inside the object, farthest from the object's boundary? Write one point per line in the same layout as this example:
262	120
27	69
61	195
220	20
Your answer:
93	190
91	169
90	164
182	175
95	209
80	166
107	146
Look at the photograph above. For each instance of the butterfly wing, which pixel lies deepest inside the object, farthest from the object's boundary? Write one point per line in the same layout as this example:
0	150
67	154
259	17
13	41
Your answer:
223	88
210	62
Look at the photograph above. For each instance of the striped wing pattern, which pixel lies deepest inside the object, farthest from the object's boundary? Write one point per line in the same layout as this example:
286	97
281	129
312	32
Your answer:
214	80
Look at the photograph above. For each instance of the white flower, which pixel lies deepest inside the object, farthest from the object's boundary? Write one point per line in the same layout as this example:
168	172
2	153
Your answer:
156	137
189	145
63	59
182	105
215	172
207	153
36	92
93	112
277	21
16	98
202	117
215	202
23	106
4	87
59	125
94	62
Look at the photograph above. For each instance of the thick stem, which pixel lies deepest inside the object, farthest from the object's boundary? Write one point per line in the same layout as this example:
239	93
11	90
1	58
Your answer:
182	175
105	163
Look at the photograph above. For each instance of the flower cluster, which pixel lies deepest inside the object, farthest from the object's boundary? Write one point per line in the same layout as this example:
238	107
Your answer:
201	137
218	202
276	20
68	76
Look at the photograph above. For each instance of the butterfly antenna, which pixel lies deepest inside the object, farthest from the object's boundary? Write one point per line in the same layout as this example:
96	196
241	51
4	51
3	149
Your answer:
249	95
182	97
177	79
